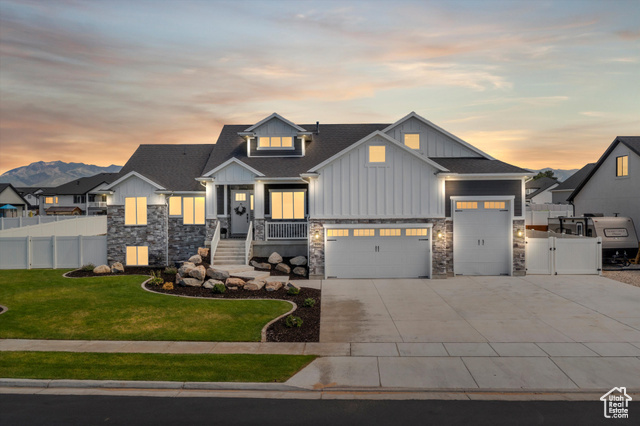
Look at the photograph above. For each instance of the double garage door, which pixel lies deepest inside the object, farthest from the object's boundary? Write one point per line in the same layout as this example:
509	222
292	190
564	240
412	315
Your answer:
397	251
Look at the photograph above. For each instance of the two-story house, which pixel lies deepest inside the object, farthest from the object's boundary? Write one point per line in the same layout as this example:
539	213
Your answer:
78	197
406	199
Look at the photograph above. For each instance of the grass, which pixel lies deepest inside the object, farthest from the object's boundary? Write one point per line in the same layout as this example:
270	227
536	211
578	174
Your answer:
45	305
155	367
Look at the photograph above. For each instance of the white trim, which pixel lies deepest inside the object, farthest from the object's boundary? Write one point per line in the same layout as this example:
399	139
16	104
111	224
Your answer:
279	117
165	192
386	138
230	161
377	225
276	148
413	114
390	217
490	176
136	174
282	179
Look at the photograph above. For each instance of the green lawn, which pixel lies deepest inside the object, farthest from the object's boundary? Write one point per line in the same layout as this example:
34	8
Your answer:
45	305
156	367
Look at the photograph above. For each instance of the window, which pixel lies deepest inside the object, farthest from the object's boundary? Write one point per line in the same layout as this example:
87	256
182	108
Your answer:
412	140
51	200
495	205
251	201
389	232
416	232
377	154
135	211
137	255
616	232
241	196
175	206
364	232
193	210
622	166
287	205
275	142
337	233
79	199
466	205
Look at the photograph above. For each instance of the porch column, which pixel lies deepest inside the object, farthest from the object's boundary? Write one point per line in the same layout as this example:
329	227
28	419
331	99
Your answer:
226	200
258	201
212	200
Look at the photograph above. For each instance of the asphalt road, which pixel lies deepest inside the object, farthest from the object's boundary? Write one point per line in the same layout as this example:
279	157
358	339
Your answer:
126	410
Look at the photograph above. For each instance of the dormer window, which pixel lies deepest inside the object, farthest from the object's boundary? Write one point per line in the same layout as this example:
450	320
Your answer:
278	142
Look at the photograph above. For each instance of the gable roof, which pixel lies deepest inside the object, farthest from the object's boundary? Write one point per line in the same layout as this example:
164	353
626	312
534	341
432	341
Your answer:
174	167
26	190
540	185
465	165
632	142
82	185
4	186
575	179
279	117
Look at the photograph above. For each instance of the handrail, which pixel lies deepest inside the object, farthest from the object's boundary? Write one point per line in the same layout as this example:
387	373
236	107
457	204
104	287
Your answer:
247	243
214	242
287	230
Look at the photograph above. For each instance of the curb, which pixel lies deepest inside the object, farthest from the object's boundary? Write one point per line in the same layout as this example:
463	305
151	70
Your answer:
3	309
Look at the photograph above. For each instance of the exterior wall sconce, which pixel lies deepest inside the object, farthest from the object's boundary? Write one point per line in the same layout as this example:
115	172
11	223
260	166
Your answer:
519	233
440	235
316	236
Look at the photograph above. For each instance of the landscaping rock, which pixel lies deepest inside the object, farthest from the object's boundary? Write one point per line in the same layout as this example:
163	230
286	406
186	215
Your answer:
196	258
289	285
185	268
235	282
298	261
203	252
178	279
274	285
210	283
275	258
254	285
217	274
117	268
299	270
198	272
191	282
232	288
260	265
283	267
102	269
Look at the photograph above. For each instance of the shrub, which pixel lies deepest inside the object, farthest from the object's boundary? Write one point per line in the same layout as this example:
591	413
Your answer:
167	286
309	302
293	291
219	288
89	267
170	270
293	321
156	278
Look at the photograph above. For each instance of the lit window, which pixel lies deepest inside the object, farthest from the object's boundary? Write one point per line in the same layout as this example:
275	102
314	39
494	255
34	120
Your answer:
495	205
193	210
416	232
364	232
389	232
241	196
51	200
135	211
251	201
175	206
467	205
412	140
376	154
275	142
337	233
287	204
137	255
622	166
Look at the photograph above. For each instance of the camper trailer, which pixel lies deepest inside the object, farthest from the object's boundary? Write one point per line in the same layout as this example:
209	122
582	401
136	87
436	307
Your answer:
618	233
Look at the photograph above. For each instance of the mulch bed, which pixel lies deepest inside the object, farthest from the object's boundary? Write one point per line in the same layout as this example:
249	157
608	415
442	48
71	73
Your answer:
128	270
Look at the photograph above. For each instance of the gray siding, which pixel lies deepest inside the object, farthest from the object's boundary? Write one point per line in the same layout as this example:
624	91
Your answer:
483	188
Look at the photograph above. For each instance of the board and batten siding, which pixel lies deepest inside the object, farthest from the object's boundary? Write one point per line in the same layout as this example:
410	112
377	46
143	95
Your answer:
405	187
433	143
234	174
135	187
275	127
482	188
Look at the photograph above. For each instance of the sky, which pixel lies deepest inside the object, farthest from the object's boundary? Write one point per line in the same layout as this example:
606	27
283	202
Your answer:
533	83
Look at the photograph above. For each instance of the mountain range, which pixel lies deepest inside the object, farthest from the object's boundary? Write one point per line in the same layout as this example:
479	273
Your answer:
561	174
52	173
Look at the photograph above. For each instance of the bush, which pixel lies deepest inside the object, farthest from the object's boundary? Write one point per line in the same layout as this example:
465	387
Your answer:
156	278
170	270
167	286
219	288
293	291
293	321
89	267
309	302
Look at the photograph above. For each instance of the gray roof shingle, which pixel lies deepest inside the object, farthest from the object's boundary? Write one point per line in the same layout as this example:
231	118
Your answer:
575	179
82	185
464	165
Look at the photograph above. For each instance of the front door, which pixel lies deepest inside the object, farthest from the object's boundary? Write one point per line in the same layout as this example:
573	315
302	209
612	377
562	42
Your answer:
240	211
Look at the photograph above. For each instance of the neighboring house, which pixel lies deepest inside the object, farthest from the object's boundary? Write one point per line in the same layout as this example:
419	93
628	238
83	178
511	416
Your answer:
561	192
406	199
12	204
32	195
612	187
77	197
539	190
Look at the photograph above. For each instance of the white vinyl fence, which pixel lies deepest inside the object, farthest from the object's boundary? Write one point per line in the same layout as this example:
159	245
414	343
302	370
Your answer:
72	226
52	252
18	222
562	255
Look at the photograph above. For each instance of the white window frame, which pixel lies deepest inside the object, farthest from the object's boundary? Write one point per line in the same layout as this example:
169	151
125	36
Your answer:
146	213
288	148
624	169
186	220
304	204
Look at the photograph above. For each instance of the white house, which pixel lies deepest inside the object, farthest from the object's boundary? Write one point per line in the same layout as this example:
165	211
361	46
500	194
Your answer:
77	197
538	191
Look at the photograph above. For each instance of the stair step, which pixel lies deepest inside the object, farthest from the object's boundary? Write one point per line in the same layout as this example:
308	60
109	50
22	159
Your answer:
250	275
233	268
227	259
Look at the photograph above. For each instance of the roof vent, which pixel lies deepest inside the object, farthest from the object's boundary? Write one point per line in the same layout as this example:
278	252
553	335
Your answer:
317	127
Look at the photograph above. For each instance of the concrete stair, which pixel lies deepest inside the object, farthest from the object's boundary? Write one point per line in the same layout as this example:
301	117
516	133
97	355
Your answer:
229	257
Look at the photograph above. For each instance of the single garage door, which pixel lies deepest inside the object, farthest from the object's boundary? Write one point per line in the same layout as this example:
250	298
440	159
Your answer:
390	252
482	238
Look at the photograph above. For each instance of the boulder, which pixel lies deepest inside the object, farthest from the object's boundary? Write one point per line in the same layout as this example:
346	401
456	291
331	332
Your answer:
203	252
289	284
217	274
298	261
178	279
198	273
117	268
260	265
102	269
234	282
274	285
275	258
210	283
299	270
191	282
232	288
283	267
254	285
185	268
196	258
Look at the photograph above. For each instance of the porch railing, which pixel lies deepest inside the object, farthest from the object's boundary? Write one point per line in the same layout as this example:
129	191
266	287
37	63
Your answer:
247	243
214	242
287	230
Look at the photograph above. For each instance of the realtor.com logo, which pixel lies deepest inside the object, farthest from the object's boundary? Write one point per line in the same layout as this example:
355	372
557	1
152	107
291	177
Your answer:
616	403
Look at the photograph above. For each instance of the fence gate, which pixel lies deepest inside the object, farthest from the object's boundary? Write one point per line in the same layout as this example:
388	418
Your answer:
564	256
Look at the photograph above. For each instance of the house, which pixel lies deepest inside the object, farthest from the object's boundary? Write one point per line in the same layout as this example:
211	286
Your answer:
538	191
406	199
32	195
612	186
12	204
560	193
77	197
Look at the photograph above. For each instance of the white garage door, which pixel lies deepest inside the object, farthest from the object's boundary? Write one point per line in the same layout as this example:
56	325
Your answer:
482	238
393	252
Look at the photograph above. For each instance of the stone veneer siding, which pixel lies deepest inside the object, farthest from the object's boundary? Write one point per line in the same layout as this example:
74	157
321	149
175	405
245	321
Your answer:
259	231
519	264
184	240
153	235
211	229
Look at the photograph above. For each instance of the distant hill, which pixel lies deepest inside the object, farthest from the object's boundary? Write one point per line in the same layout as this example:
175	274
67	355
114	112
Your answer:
52	173
561	174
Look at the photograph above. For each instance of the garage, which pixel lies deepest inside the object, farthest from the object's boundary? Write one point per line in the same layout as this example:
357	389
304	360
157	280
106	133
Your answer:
482	236
392	251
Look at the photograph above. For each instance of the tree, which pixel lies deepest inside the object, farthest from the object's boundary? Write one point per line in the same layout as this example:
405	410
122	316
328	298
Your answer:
546	173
